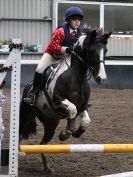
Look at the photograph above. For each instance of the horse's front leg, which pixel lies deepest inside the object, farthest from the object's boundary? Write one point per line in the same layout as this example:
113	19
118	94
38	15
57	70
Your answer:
70	111
66	108
70	128
85	121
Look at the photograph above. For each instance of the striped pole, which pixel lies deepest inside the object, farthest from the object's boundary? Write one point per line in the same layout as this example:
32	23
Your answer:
69	148
126	174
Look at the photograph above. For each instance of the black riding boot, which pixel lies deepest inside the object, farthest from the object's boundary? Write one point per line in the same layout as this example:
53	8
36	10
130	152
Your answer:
36	85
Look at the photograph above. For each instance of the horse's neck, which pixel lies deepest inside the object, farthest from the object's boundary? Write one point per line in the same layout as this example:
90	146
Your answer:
78	67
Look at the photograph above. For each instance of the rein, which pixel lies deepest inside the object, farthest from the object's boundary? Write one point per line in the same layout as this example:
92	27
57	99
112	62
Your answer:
91	69
78	57
74	53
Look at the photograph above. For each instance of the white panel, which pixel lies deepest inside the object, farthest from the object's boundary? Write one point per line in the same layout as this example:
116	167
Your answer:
120	45
29	9
25	8
24	57
34	11
31	32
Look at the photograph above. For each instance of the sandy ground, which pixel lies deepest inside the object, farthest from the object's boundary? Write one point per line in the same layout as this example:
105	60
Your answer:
111	122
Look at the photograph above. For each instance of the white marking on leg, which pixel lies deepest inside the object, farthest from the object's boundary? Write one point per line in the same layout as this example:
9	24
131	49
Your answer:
102	73
85	119
71	108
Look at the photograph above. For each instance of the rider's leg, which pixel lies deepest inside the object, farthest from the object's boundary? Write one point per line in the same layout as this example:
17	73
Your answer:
45	61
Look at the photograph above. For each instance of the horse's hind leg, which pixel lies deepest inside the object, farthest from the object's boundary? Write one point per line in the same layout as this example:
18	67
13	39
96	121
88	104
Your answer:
49	131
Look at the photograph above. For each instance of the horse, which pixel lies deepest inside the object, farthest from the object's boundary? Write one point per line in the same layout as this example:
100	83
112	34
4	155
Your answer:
65	91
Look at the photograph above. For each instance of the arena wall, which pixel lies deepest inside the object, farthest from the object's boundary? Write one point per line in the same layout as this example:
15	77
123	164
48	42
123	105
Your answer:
119	77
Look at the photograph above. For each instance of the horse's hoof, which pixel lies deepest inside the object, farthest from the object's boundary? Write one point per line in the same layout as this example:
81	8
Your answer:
49	170
64	135
78	133
89	105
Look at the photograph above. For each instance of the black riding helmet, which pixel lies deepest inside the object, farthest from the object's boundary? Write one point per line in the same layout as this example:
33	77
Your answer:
73	13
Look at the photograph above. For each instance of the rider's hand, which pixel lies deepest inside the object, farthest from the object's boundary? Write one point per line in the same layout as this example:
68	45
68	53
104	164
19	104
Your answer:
69	50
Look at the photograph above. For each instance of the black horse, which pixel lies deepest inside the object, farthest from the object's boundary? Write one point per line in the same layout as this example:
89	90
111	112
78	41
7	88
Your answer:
65	94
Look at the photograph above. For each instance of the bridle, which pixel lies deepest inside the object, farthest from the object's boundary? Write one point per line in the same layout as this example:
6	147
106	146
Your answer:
89	66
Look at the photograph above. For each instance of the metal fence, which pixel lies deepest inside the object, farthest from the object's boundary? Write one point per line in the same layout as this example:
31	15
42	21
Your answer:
28	20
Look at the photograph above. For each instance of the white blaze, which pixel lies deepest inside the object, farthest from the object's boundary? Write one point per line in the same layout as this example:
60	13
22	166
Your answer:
102	73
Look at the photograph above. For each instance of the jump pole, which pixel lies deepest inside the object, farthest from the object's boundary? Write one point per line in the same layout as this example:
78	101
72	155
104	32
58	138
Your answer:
71	148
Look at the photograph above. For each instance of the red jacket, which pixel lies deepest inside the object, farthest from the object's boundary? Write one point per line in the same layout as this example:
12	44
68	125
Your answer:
54	47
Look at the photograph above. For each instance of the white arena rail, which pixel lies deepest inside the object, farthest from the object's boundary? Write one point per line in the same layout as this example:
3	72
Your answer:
14	61
126	174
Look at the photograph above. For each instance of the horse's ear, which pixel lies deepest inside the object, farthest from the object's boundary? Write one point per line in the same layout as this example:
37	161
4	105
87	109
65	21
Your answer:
107	35
93	35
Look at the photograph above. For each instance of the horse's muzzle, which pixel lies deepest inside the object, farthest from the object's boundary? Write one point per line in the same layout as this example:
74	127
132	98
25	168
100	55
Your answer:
100	80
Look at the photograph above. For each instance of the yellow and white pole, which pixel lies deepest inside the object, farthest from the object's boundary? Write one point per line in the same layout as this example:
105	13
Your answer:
70	148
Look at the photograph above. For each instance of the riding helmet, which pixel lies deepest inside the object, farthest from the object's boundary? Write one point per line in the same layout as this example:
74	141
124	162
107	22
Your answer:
72	12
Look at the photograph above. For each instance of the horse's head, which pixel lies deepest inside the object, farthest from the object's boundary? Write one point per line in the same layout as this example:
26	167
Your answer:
91	47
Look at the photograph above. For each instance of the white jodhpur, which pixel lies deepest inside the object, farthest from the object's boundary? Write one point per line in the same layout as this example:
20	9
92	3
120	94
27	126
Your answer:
71	108
85	119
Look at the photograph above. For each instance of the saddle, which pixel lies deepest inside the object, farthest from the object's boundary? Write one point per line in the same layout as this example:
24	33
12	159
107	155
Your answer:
47	78
49	74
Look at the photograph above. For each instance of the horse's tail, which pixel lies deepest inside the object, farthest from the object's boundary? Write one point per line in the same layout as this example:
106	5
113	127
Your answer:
27	122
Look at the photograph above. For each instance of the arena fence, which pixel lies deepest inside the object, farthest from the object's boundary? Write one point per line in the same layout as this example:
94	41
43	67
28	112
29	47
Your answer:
13	62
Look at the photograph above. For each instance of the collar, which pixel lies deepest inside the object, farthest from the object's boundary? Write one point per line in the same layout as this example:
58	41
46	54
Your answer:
72	30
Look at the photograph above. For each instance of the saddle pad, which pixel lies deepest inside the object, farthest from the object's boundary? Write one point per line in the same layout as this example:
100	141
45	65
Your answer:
57	72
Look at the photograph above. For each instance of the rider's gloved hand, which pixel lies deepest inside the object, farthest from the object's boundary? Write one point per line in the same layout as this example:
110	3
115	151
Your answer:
69	50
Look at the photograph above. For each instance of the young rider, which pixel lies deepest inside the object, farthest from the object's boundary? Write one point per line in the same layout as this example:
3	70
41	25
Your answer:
61	43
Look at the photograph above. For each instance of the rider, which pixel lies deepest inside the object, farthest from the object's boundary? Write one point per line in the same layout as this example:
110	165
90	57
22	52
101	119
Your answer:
61	44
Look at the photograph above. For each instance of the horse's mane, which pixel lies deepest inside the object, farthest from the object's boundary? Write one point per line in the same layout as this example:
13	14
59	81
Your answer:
99	34
91	35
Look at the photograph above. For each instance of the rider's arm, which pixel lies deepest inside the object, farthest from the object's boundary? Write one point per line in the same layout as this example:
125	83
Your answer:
54	46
